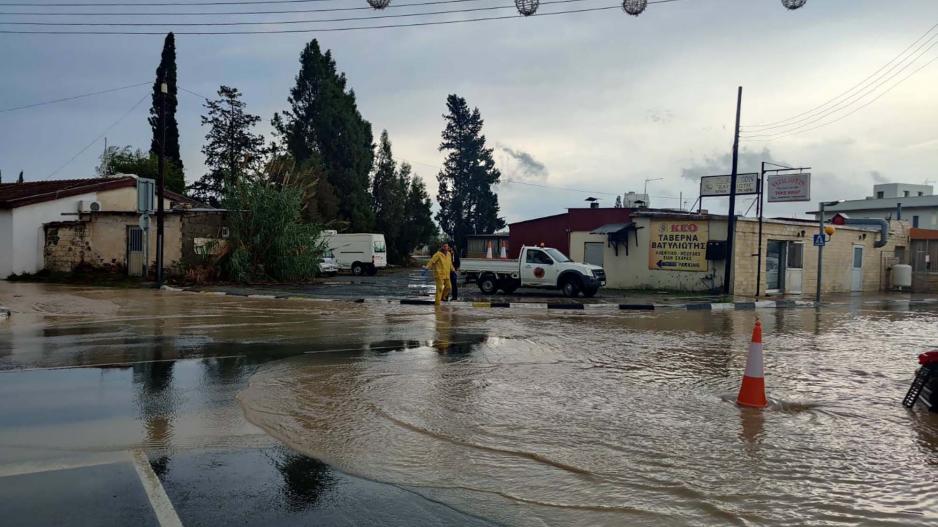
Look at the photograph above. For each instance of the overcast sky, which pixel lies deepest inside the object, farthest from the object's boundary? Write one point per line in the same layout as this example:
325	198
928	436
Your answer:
594	102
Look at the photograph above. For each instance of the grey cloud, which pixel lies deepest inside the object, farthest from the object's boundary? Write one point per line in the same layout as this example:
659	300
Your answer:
878	177
749	161
527	168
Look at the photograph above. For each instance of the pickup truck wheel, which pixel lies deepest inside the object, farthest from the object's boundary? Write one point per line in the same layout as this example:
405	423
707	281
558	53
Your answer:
358	269
488	284
570	288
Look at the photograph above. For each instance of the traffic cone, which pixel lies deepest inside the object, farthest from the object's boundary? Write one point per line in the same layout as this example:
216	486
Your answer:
488	251
504	254
752	391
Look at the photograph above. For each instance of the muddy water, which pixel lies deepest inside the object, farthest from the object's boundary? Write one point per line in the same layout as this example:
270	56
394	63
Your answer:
623	419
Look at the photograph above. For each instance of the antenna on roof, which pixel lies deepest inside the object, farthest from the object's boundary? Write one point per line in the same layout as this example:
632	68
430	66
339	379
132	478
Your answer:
20	179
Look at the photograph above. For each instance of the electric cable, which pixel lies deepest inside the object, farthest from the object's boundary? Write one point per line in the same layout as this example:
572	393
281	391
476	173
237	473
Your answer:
72	98
101	136
782	122
234	13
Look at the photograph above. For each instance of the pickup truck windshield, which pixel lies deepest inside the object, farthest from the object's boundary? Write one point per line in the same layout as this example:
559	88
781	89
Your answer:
557	255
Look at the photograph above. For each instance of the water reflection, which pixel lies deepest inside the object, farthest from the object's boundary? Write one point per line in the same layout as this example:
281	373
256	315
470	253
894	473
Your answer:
305	480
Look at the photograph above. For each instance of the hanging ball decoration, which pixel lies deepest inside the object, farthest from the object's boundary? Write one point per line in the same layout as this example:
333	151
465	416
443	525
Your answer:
527	7
379	4
634	7
793	4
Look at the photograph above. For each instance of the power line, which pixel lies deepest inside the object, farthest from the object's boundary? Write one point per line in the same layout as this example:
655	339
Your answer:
72	98
788	121
841	118
278	22
101	136
151	4
233	13
321	30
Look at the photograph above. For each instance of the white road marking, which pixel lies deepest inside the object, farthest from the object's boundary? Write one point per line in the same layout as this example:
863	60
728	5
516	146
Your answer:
162	507
36	467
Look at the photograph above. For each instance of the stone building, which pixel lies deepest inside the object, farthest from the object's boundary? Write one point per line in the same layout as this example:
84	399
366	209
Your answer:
64	224
675	251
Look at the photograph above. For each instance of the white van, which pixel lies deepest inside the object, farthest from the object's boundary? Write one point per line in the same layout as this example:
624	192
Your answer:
361	253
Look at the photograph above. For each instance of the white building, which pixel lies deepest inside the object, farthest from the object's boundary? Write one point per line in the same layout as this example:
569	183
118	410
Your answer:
915	203
27	209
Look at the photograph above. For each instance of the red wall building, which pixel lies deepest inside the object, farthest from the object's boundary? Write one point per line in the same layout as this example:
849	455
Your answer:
554	231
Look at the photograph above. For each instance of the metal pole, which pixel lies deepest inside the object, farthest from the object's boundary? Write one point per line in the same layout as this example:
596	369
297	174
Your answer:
731	218
161	187
820	254
761	207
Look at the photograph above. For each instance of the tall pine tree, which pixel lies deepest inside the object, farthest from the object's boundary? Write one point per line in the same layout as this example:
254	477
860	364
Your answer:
390	194
232	150
166	72
468	205
419	228
323	125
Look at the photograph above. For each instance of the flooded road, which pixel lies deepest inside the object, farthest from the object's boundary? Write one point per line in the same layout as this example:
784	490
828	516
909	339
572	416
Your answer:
501	416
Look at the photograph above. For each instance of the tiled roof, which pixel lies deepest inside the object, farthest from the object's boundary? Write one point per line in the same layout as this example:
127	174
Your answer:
13	195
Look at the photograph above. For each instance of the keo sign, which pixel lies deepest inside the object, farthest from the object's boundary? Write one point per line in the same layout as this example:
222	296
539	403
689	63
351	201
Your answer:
678	245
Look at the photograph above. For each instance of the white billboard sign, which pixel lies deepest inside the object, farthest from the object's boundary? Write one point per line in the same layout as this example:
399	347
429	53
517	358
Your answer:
788	187
720	185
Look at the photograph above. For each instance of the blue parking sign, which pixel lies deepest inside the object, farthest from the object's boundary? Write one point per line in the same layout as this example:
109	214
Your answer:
819	240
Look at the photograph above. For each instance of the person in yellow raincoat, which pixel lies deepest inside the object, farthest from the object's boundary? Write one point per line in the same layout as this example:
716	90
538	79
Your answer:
442	265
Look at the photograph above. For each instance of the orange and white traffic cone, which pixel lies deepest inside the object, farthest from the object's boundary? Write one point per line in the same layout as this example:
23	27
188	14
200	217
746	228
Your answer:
488	251
752	391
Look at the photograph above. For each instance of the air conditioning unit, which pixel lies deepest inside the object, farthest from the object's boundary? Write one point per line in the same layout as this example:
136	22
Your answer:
89	206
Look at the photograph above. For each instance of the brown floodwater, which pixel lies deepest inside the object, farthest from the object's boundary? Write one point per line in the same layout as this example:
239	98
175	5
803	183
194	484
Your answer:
625	418
522	417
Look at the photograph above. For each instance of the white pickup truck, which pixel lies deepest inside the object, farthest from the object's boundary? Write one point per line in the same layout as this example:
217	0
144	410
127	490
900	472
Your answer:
544	267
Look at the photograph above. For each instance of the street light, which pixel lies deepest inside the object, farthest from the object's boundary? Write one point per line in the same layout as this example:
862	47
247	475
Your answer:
161	185
820	248
646	184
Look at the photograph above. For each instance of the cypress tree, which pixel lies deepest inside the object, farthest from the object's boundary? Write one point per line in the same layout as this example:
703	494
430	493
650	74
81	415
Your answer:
468	205
419	228
323	124
166	72
390	195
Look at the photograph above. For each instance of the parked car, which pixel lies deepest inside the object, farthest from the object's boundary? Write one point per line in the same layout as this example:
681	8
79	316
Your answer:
361	253
543	267
327	266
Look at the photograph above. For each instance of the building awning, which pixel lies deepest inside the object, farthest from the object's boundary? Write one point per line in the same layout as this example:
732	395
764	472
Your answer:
617	233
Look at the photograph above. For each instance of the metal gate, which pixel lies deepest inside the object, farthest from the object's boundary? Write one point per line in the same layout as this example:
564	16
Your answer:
136	263
593	253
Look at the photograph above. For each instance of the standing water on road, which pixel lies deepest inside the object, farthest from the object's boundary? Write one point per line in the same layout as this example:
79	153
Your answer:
626	418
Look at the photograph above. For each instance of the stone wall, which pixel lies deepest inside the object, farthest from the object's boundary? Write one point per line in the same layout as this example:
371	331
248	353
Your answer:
202	229
66	245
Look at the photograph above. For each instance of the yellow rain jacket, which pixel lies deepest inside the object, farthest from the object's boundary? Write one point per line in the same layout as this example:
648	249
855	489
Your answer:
442	265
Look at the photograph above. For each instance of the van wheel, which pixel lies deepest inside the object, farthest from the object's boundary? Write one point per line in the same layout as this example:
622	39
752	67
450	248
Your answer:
358	269
570	288
488	284
371	270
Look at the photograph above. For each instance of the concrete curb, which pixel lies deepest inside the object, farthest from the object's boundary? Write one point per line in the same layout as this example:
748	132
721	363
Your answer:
554	306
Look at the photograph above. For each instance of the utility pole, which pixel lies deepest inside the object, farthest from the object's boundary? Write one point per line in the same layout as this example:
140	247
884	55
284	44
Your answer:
107	158
731	218
161	186
820	249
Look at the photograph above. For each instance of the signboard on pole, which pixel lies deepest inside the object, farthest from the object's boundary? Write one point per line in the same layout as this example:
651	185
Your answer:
678	245
720	185
788	187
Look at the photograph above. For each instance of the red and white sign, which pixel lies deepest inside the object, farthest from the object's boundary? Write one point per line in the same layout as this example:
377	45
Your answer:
788	187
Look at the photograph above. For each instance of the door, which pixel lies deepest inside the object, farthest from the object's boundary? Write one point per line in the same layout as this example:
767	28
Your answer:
794	268
538	268
856	275
593	253
774	266
136	264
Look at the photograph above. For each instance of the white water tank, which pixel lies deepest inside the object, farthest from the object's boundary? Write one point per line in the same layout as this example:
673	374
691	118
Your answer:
902	275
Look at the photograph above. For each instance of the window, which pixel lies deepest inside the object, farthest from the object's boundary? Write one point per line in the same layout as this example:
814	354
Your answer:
857	257
379	246
557	255
795	255
905	193
538	257
879	194
921	193
915	221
